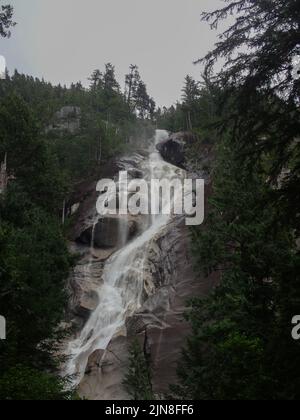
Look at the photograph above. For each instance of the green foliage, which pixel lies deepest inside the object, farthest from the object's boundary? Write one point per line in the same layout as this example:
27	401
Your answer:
34	267
138	379
136	94
260	95
259	47
34	259
172	119
29	158
6	20
196	112
241	346
242	330
21	383
107	123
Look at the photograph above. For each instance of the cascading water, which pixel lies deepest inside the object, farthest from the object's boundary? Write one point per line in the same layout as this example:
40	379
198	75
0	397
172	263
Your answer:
89	266
121	291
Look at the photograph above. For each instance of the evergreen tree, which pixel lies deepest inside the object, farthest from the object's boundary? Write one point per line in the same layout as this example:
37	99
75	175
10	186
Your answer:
260	82
137	96
190	96
34	261
138	379
190	91
132	80
96	80
23	384
6	20
241	346
29	160
110	84
241	332
259	47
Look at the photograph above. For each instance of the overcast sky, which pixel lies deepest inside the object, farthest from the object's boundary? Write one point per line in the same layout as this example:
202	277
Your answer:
65	40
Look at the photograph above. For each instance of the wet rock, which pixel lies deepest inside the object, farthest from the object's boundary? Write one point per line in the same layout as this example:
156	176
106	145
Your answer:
105	373
83	285
135	174
173	150
94	362
74	208
127	163
140	322
86	304
109	232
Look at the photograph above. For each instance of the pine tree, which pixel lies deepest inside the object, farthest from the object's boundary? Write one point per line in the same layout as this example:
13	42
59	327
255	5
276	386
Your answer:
96	80
138	379
6	20
132	80
241	346
190	96
110	84
258	80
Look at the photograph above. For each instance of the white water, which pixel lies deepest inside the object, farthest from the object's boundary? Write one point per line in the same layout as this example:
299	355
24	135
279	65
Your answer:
123	279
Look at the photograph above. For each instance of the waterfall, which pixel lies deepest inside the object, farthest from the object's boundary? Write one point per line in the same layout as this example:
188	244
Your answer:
120	294
88	270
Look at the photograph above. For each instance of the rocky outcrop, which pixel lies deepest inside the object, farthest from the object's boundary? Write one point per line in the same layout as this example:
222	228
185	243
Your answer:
165	332
106	233
84	283
174	149
106	371
193	154
68	119
87	274
82	202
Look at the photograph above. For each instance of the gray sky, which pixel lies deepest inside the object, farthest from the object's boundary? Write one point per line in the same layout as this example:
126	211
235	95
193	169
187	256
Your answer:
65	40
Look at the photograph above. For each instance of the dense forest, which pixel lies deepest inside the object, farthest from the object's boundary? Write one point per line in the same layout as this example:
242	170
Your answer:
240	347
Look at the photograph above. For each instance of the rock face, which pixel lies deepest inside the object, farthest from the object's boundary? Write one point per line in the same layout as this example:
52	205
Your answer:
68	112
66	119
107	232
87	274
105	372
159	325
173	150
165	332
186	151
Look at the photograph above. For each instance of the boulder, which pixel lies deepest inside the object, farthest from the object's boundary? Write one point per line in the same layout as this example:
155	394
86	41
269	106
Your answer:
94	362
174	149
87	303
105	373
